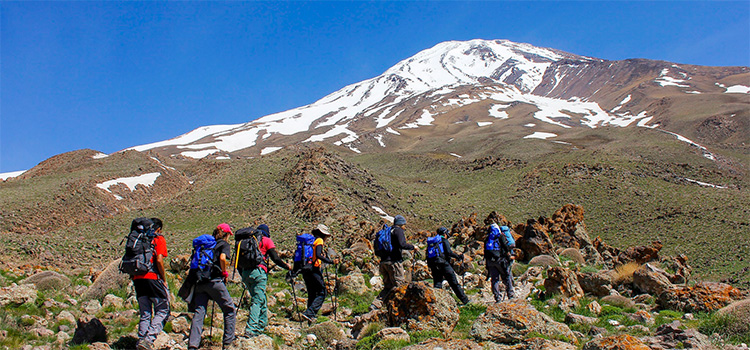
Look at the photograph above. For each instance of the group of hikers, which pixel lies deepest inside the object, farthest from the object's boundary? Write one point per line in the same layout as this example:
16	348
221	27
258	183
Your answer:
212	260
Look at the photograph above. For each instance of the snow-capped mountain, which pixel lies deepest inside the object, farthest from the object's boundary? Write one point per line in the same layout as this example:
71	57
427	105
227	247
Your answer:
488	81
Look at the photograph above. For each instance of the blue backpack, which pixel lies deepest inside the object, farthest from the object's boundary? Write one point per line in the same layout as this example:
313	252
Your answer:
383	244
435	248
202	260
305	253
497	244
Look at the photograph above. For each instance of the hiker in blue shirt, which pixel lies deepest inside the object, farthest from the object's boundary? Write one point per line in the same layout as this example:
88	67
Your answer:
438	254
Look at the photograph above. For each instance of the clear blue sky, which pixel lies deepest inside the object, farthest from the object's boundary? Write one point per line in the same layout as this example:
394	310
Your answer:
110	75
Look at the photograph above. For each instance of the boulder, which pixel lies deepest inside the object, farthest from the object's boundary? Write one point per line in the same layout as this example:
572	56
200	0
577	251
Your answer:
618	300
48	280
110	279
574	255
91	307
616	342
641	317
592	256
15	295
65	316
164	342
534	241
595	283
353	283
533	344
89	330
567	227
740	311
543	260
672	336
328	332
594	307
703	297
393	333
181	324
512	321
650	279
562	281
360	322
572	318
417	307
259	342
640	254
680	265
420	271
111	300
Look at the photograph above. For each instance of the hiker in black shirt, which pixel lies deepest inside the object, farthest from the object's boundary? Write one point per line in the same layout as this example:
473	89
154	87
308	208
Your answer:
391	263
441	268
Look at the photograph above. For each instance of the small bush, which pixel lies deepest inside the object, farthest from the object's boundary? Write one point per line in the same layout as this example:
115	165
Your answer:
608	310
624	273
731	328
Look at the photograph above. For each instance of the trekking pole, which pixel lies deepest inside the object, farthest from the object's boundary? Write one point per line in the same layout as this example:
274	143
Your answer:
235	259
211	330
294	296
335	291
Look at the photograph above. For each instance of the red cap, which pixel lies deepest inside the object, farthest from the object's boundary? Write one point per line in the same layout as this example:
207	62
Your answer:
225	227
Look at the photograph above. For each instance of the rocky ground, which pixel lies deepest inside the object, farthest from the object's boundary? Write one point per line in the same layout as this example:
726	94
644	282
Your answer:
573	293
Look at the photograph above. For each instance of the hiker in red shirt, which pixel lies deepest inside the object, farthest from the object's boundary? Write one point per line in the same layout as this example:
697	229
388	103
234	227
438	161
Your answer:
153	293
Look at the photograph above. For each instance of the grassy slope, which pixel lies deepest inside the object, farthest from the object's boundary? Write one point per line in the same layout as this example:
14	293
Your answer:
631	190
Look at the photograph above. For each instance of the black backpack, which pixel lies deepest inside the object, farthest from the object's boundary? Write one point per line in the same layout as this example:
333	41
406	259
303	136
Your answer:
139	248
249	256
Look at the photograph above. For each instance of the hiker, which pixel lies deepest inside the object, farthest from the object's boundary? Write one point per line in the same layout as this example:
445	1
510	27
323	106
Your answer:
256	279
391	261
152	291
313	276
215	289
498	253
438	254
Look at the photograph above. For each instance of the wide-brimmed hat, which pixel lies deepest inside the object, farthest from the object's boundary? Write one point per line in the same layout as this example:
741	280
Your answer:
323	229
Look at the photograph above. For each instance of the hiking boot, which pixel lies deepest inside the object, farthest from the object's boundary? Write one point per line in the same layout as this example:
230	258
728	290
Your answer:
309	319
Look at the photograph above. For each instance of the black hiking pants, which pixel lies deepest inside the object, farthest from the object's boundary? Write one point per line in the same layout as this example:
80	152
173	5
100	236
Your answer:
443	271
316	291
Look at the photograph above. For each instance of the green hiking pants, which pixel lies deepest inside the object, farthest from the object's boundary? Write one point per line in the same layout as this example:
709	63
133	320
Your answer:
256	281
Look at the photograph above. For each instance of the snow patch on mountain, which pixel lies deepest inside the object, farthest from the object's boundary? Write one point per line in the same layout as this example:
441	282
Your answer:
8	175
540	135
496	111
131	182
738	89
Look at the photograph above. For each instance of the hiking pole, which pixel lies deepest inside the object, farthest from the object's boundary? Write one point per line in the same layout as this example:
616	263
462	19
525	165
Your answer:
211	330
235	259
294	296
335	291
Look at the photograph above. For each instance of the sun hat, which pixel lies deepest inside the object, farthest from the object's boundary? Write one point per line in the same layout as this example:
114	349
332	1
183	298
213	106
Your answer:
224	227
323	229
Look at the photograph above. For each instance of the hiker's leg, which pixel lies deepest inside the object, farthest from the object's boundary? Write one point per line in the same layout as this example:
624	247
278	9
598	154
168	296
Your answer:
161	309
261	292
437	276
450	275
309	286
221	296
386	272
494	272
399	274
256	285
507	275
319	296
196	326
144	309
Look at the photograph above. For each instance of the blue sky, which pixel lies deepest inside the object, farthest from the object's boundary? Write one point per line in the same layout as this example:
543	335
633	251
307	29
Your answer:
111	75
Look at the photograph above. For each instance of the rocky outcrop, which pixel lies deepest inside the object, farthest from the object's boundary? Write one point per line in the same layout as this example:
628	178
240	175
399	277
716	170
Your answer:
48	280
417	307
110	279
534	241
596	283
673	336
434	343
17	295
567	227
352	283
703	297
616	342
512	321
650	279
562	281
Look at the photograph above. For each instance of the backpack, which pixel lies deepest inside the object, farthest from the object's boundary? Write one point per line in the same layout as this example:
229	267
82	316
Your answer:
202	260
383	244
496	246
249	256
305	254
139	248
435	248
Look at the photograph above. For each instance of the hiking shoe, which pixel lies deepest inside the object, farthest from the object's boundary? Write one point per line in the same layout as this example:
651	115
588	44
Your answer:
309	319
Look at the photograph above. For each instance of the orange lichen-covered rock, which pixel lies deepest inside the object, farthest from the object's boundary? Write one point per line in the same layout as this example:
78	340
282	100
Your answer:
616	342
512	321
562	281
705	297
417	307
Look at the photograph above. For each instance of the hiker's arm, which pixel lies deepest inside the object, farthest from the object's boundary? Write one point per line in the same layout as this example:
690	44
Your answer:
319	254
449	252
159	264
223	262
402	241
275	258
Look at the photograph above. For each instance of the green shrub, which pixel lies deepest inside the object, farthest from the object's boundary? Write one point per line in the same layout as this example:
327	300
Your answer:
608	310
466	318
731	328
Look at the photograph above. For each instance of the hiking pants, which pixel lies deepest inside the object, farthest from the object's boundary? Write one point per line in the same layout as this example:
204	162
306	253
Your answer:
255	280
316	291
393	277
498	270
443	271
217	291
153	307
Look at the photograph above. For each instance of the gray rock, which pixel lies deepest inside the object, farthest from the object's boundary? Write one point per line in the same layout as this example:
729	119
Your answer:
512	321
16	295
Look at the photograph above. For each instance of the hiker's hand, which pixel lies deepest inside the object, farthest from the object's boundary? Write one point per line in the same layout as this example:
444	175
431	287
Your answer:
225	275
289	276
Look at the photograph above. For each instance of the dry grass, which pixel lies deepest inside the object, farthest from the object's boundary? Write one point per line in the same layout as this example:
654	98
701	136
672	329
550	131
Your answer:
624	273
